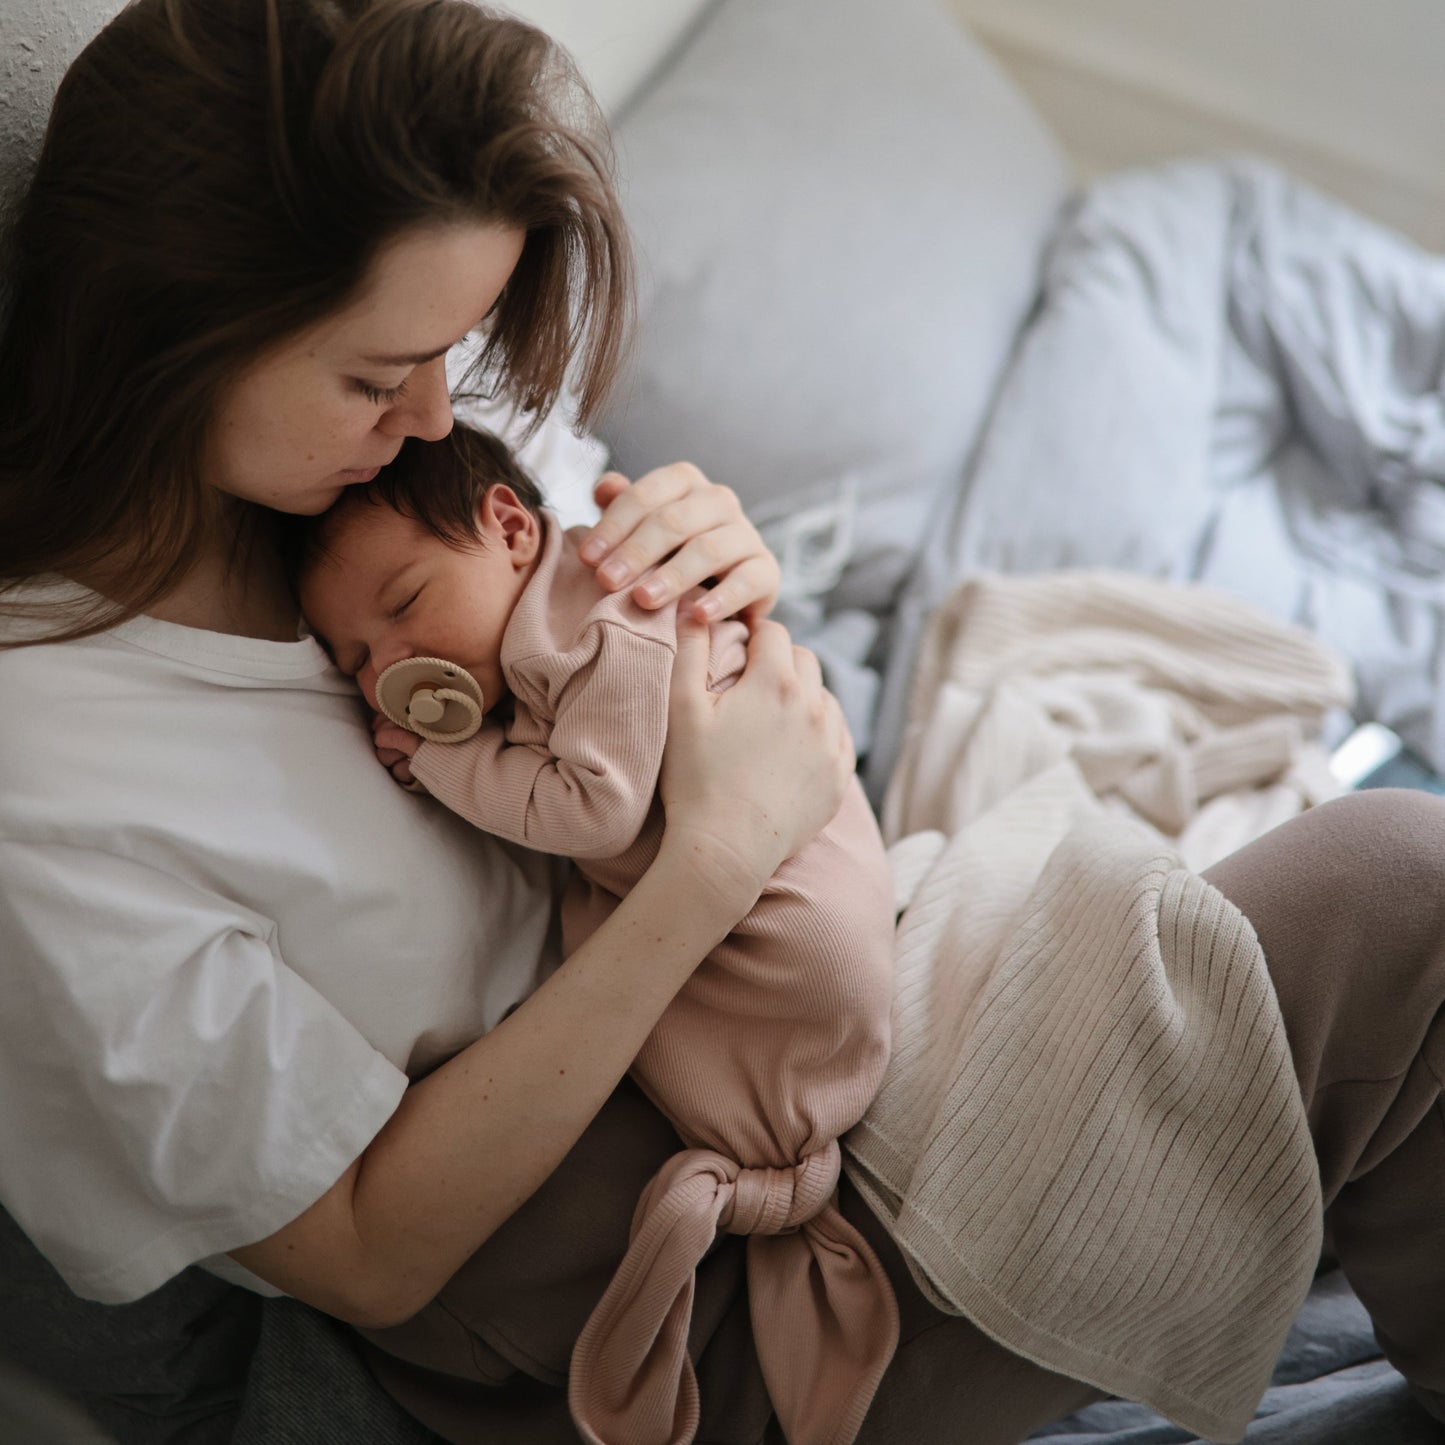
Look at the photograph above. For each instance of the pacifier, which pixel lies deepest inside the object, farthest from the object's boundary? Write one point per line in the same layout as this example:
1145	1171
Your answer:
431	697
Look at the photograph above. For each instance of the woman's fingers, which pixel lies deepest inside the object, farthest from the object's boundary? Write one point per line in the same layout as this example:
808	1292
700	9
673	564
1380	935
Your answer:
607	488
770	647
629	507
755	770
807	664
746	591
690	521
689	667
691	531
729	554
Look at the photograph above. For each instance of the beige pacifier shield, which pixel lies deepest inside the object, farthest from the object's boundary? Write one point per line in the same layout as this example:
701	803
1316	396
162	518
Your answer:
431	697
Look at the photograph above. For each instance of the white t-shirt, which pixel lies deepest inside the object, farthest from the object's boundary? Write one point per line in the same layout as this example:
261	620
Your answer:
226	940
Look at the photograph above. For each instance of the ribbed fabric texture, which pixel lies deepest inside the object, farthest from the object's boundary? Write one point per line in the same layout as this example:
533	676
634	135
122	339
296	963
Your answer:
1179	705
1090	1138
773	1048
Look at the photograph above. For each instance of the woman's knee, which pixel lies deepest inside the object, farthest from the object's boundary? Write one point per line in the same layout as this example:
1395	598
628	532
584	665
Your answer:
1348	902
1369	867
1399	832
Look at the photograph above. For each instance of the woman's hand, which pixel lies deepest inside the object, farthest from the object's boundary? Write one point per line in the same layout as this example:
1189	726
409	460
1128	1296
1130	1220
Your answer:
675	513
751	774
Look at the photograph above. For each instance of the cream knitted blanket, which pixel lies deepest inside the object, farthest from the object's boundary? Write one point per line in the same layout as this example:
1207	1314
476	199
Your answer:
1090	1139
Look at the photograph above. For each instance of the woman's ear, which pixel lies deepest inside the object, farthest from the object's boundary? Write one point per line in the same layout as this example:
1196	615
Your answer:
515	525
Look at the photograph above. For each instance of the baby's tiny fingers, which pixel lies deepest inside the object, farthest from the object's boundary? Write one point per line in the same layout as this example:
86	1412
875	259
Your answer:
397	739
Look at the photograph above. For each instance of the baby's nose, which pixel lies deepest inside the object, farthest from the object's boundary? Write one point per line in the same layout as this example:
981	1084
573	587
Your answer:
366	681
377	662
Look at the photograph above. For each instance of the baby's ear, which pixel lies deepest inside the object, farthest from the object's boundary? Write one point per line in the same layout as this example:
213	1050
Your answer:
518	527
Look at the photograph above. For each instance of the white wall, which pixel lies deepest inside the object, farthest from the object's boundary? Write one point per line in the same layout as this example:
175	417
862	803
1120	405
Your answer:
38	39
1350	93
615	41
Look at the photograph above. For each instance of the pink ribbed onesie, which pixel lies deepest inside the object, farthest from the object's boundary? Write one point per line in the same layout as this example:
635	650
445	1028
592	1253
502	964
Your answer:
774	1046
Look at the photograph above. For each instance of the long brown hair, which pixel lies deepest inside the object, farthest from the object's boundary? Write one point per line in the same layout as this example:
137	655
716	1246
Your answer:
217	177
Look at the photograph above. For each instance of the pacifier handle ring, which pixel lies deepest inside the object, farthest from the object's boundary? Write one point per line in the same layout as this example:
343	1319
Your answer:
452	692
448	694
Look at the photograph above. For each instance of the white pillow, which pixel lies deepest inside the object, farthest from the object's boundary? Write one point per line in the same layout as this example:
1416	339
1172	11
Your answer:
840	207
616	43
565	463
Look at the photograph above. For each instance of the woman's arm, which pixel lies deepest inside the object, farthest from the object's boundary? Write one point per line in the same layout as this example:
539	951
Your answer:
675	516
749	775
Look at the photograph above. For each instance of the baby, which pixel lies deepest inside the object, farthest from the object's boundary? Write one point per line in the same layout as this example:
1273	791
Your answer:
778	1041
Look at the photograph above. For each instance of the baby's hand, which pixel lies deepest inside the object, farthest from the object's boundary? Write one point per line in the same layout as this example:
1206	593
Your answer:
395	747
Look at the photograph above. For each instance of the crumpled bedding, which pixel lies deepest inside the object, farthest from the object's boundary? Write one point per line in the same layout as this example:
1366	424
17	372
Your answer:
1329	1388
1230	379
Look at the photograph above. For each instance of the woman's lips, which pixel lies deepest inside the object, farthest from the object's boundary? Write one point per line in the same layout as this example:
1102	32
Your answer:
355	475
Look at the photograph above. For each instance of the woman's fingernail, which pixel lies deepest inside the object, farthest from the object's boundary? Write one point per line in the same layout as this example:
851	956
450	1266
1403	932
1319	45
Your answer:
594	549
652	591
614	573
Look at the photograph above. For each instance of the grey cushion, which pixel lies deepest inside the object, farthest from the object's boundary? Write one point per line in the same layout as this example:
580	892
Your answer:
840	206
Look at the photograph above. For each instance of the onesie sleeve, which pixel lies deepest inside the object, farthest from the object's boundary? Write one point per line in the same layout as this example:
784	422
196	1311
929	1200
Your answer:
583	785
169	1088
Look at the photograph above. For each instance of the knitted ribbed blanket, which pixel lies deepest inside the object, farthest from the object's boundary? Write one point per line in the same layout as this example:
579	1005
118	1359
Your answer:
1090	1139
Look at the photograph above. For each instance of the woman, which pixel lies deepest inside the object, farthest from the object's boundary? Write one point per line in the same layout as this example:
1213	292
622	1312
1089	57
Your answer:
268	1014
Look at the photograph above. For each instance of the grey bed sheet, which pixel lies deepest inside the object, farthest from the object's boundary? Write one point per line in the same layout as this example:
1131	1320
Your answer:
1331	1387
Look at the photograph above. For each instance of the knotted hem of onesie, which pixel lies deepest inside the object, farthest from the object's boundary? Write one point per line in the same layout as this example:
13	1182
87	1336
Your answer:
824	1317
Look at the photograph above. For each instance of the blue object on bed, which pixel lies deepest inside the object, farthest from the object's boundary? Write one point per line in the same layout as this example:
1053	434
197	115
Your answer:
1331	1387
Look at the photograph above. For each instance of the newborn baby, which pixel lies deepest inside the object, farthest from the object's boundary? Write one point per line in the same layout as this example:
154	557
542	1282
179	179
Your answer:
778	1041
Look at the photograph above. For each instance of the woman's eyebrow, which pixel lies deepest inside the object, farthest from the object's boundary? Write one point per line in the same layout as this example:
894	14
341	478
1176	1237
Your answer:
419	359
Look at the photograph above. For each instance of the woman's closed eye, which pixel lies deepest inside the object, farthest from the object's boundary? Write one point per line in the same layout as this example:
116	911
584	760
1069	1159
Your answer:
380	395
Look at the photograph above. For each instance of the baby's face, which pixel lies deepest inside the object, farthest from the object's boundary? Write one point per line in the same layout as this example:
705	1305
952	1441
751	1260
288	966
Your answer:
388	589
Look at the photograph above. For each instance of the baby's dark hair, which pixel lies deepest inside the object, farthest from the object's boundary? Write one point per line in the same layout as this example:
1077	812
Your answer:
437	484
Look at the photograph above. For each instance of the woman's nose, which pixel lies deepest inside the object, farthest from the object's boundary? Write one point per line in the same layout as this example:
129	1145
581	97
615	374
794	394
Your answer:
425	409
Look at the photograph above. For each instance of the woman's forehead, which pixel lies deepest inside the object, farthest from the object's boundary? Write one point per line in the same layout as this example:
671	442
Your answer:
425	291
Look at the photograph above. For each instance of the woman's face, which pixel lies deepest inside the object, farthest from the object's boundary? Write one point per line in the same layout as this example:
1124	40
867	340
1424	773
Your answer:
331	406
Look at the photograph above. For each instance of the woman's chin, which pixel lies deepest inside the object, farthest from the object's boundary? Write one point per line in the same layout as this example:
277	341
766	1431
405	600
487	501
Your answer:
312	504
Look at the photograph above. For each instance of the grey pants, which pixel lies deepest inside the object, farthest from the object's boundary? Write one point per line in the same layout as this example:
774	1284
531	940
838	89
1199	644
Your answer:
1349	904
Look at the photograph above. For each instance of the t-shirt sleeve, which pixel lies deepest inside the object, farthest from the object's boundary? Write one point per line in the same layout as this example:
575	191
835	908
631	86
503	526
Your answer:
169	1088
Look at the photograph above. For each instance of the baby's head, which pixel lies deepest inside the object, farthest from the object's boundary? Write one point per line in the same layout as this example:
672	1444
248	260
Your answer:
426	560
